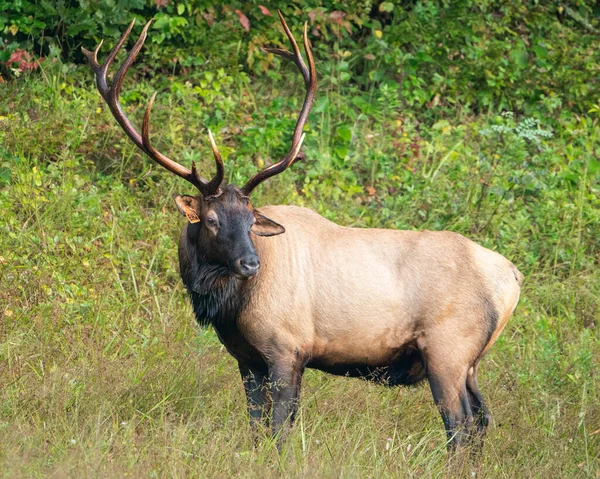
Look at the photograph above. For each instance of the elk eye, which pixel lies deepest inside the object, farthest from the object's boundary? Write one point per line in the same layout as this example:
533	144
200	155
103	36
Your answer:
211	221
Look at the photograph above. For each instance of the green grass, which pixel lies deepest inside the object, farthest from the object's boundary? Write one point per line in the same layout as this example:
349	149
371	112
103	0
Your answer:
103	371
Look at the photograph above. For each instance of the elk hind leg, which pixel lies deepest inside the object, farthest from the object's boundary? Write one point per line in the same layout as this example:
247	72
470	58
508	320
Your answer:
448	387
480	411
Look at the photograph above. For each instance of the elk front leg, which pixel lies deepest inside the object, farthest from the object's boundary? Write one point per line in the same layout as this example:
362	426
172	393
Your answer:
257	394
285	393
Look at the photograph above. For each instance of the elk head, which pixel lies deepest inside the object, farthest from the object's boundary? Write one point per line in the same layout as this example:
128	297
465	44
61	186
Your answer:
221	217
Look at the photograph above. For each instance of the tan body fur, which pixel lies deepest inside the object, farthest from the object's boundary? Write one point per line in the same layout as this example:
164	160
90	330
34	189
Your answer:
352	295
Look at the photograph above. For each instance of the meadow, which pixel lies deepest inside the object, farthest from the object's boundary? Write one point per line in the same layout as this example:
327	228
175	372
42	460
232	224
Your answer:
103	371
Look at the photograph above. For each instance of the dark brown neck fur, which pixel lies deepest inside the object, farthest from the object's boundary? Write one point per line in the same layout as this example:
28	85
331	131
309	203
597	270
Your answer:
218	298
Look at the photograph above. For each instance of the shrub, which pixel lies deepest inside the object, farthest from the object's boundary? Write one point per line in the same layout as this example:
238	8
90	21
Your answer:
522	56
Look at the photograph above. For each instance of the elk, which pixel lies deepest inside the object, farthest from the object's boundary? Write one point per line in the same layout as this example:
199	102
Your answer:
285	289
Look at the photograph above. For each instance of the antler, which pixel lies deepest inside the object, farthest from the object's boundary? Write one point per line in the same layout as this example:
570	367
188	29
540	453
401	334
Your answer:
111	93
310	79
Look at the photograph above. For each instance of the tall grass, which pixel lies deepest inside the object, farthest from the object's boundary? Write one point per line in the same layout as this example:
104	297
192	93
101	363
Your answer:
103	372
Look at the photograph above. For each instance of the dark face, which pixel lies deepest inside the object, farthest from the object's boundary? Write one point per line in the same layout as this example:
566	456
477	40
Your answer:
221	227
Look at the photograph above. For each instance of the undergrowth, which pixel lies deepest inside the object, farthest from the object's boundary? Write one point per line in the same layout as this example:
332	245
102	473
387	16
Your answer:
103	371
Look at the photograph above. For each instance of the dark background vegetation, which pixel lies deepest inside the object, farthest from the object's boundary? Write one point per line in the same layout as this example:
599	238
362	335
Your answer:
476	116
528	56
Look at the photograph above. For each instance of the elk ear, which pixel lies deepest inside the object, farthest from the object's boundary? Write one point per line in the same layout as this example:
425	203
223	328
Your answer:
264	226
188	206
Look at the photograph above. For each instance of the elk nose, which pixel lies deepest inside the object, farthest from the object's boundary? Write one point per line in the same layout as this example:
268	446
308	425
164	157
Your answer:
249	265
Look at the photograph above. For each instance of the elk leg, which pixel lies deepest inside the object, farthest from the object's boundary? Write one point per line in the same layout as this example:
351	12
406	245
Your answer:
296	403
450	395
257	394
285	392
480	411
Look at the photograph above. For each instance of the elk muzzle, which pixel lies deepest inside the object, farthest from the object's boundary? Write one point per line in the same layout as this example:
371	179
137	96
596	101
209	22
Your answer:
246	266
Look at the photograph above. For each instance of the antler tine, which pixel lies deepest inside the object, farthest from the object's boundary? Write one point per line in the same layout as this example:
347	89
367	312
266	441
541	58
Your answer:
215	183
111	93
311	87
93	56
101	70
296	57
310	79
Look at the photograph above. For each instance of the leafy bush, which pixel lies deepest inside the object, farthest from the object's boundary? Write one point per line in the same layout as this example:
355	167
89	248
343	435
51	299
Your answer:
523	56
186	32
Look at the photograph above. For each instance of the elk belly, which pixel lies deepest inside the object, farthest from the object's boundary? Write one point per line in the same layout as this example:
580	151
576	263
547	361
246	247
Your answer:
362	325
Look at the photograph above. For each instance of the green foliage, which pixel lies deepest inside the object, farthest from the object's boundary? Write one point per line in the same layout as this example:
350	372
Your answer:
513	54
184	34
523	56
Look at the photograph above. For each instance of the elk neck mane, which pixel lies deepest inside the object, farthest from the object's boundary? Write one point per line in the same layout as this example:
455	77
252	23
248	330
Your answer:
218	298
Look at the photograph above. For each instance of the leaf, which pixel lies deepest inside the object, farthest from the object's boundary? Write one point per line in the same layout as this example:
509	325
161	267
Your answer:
343	66
376	75
521	58
210	19
572	177
378	33
265	10
341	152
344	132
337	16
423	57
363	104
443	126
244	22
161	22
540	52
5	174
180	9
321	104
386	7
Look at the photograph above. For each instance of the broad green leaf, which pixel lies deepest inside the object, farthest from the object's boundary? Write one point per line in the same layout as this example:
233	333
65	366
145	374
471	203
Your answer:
386	7
541	52
344	132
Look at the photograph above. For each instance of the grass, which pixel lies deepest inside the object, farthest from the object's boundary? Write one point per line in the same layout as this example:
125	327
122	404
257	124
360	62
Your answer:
104	372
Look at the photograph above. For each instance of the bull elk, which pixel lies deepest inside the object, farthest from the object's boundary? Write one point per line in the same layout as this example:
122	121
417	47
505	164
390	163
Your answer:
285	289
